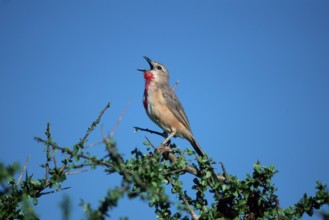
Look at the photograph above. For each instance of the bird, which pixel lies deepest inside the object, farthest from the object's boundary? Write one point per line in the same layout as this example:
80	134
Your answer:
163	106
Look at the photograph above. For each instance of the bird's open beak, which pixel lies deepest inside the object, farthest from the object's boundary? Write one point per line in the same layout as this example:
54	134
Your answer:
149	62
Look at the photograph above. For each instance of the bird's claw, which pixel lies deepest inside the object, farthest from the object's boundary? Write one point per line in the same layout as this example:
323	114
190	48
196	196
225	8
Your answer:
164	149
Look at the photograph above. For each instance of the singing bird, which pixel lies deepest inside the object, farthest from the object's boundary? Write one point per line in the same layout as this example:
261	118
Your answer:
163	106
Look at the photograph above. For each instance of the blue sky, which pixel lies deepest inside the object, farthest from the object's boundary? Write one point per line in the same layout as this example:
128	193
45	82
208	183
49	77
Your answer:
253	81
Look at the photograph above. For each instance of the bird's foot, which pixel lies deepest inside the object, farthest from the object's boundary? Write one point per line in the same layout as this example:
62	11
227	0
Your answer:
164	149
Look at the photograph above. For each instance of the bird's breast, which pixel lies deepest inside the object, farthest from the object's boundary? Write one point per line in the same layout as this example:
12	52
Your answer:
153	101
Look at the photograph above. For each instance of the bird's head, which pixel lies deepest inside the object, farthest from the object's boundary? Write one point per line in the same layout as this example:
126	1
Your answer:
157	72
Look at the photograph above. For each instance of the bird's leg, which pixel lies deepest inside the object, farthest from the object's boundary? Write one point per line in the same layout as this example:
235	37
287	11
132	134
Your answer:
172	134
163	148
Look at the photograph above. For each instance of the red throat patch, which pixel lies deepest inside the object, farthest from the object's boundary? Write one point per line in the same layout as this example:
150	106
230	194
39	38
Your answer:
148	75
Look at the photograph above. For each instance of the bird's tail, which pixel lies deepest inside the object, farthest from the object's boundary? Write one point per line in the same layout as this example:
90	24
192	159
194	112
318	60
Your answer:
200	152
196	146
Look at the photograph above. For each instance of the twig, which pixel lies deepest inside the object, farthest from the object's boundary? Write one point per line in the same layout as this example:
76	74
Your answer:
151	131
182	196
169	155
94	124
48	158
103	132
93	144
54	158
173	159
277	206
175	85
71	153
123	170
76	172
226	176
54	191
120	118
22	171
90	129
150	143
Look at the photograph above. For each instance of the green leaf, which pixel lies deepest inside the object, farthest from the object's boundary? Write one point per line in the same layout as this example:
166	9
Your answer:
35	201
208	174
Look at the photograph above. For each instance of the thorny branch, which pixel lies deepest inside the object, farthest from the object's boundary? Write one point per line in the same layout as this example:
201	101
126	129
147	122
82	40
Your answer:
131	177
94	124
150	131
182	197
72	153
115	158
63	170
169	155
54	191
89	130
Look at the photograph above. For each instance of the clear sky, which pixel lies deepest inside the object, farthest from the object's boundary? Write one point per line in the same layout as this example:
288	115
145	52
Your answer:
253	76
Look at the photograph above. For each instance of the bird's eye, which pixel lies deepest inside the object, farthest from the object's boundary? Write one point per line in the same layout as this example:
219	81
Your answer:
159	67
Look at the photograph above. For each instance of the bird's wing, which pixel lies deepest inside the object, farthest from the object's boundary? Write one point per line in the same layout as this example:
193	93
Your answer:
175	106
